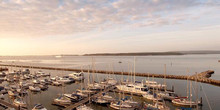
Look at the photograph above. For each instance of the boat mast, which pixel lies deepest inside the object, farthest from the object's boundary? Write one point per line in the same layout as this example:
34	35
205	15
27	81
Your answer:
187	90
165	70
190	94
134	68
89	83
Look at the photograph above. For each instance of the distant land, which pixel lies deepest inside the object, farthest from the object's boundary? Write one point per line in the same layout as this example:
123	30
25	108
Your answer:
138	53
154	53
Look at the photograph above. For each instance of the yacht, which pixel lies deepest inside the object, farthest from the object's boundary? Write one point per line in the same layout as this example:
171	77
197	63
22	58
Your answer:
43	86
56	83
62	100
167	95
2	74
26	71
77	76
130	101
184	102
109	81
34	88
64	80
20	103
36	81
119	105
12	93
96	86
135	88
154	84
39	107
83	107
73	97
100	100
152	97
85	91
155	106
107	97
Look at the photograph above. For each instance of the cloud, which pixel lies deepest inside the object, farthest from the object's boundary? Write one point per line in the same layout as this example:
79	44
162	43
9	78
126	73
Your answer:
58	17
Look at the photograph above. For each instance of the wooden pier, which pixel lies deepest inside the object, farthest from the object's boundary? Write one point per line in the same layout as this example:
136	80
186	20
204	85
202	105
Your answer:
8	105
3	69
201	77
86	100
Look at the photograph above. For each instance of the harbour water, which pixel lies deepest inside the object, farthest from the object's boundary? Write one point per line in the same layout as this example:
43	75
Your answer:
153	64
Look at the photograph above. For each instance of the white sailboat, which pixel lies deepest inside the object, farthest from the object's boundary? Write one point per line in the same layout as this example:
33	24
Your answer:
39	107
77	76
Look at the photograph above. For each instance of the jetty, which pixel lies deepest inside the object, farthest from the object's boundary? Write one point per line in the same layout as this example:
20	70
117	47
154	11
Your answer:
86	100
203	77
8	105
3	69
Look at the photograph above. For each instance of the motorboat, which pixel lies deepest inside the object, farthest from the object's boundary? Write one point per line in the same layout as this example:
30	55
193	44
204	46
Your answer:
24	85
152	97
55	78
62	100
107	97
56	83
119	105
96	86
64	80
43	86
183	101
77	76
20	103
85	91
154	84
26	71
130	101
36	81
156	106
83	107
34	88
2	74
1	96
12	93
22	91
167	95
39	107
134	88
73	97
101	101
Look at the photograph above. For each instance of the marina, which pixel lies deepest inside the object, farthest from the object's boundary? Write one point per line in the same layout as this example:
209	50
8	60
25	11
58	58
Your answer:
40	81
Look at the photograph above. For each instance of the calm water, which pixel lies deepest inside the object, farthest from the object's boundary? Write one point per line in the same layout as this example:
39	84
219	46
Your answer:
152	64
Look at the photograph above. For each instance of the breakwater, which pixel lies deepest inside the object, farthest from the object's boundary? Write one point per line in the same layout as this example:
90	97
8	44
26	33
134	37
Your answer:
200	77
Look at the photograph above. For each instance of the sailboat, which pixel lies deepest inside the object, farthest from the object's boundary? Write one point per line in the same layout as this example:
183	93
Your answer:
101	101
83	107
34	88
77	76
186	101
133	87
120	105
20	103
166	95
156	106
39	107
62	100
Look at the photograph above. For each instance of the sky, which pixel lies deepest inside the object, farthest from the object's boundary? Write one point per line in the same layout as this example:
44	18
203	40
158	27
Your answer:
51	27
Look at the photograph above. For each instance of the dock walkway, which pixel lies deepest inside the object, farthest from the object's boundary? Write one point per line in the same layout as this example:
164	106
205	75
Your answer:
74	106
8	105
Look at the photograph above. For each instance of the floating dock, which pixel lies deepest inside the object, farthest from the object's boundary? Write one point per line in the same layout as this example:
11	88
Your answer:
8	105
201	77
3	69
86	100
